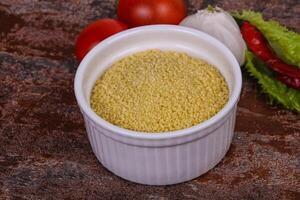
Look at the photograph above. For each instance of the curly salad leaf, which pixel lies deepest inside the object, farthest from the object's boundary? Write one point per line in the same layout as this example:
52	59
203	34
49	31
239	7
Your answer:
285	43
277	91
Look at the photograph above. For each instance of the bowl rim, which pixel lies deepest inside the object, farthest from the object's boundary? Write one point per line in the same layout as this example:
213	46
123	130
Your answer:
83	104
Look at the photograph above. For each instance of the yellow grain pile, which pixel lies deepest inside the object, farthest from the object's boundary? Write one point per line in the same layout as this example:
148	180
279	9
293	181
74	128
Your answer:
158	91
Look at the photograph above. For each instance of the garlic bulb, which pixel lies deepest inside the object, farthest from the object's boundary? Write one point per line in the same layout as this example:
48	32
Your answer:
220	25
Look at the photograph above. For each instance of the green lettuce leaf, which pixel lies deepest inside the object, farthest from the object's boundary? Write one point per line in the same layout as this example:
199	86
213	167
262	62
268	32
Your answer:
277	91
285	43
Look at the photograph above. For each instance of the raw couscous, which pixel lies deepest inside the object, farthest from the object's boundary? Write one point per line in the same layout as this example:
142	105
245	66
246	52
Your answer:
159	91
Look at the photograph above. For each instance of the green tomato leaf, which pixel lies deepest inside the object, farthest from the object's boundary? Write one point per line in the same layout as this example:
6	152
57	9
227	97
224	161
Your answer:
277	91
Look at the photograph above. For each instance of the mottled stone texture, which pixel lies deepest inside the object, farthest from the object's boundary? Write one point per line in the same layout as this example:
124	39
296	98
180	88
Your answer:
44	150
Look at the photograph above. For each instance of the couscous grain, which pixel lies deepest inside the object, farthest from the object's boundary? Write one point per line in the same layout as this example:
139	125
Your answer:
159	91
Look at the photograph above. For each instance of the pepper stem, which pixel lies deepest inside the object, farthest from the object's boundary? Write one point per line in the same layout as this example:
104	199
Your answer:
210	8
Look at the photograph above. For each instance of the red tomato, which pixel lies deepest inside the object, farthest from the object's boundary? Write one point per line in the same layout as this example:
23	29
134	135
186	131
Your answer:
144	12
95	33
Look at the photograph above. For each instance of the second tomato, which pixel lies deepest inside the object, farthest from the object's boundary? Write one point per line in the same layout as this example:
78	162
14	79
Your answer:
144	12
94	33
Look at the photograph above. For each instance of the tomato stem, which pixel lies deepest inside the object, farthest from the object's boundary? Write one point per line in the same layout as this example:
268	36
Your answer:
116	3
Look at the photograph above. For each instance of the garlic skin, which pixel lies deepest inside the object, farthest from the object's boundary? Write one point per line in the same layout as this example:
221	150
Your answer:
220	25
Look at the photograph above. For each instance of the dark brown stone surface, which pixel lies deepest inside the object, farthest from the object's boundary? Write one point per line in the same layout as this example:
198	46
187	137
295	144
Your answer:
44	150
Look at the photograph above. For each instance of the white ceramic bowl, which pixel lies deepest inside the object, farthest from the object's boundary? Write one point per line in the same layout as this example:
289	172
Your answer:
160	158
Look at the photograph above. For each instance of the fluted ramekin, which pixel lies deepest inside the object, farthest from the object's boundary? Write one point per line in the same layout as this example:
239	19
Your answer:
159	158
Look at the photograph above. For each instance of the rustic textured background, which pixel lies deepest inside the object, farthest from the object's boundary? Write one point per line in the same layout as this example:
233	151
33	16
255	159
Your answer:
44	150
